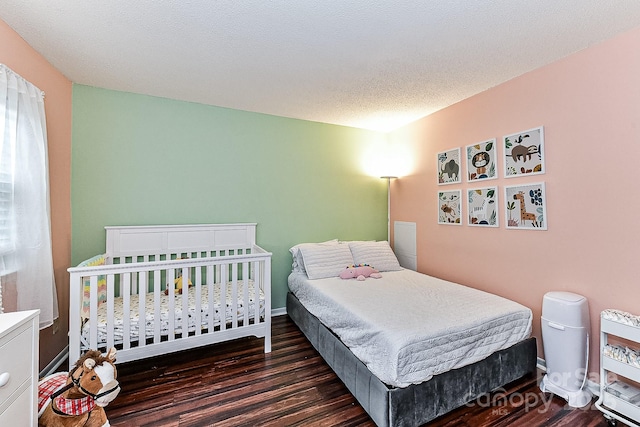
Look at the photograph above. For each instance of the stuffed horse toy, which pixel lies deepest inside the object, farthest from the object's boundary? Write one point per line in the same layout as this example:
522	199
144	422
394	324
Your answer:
78	398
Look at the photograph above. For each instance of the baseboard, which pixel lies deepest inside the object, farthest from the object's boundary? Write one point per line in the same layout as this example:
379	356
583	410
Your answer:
55	363
593	387
278	311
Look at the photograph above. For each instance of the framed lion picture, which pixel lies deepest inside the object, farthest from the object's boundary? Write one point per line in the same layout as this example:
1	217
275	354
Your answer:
482	161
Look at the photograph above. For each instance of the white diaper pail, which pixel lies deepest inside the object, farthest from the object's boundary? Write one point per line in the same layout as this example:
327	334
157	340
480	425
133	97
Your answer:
565	337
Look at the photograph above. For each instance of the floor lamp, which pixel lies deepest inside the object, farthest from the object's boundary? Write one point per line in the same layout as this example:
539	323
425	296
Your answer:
388	178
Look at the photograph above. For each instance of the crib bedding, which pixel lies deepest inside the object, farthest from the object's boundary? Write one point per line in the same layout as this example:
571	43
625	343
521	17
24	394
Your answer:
150	320
407	327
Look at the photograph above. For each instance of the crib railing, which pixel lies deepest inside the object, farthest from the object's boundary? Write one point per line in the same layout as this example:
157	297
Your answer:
146	327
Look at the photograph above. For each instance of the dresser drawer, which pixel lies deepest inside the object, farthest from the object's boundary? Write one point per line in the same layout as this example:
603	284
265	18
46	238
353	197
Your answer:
19	409
16	359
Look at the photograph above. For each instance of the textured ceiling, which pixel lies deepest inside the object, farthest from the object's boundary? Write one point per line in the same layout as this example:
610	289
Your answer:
375	64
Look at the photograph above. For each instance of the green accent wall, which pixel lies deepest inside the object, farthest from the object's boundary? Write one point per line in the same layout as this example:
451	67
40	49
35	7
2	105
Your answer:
139	159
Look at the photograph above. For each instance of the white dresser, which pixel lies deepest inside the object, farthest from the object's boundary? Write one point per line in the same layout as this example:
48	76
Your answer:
19	368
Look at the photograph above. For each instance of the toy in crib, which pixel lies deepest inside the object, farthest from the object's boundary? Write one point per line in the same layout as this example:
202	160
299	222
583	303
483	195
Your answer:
78	398
177	283
360	272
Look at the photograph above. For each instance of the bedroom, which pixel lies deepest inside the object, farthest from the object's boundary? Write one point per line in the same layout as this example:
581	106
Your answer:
587	103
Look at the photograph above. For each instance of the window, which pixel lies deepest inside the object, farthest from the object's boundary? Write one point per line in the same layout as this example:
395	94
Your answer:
6	200
25	235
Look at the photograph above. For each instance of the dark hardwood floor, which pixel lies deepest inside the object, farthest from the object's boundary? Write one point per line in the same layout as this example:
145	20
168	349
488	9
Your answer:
236	384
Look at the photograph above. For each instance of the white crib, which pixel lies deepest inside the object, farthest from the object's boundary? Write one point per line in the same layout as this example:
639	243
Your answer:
225	294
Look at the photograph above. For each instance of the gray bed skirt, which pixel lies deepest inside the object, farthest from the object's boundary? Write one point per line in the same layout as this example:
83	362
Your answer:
419	403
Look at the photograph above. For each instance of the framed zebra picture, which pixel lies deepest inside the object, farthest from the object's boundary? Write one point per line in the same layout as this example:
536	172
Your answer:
482	206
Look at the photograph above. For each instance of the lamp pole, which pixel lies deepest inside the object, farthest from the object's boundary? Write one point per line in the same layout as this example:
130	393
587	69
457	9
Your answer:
388	178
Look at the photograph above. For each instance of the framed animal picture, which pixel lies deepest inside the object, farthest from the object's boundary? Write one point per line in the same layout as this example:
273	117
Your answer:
450	207
482	205
481	161
449	167
526	206
524	153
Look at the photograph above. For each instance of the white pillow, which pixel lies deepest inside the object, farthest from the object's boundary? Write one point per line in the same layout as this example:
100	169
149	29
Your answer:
377	254
322	261
298	263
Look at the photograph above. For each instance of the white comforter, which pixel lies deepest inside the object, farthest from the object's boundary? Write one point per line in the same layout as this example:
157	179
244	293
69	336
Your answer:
407	327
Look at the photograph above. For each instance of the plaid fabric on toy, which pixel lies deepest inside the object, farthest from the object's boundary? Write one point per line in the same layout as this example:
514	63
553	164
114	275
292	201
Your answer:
49	385
53	383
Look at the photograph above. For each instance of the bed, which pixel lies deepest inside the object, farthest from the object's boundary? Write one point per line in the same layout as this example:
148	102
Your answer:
160	289
408	346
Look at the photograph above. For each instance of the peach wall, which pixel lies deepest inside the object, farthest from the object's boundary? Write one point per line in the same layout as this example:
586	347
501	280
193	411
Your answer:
589	105
24	60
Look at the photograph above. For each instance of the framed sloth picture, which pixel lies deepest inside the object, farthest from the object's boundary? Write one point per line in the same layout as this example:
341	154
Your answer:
524	153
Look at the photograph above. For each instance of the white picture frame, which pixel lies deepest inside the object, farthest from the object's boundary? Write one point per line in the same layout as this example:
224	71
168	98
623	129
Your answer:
523	153
450	207
482	160
526	206
449	167
482	207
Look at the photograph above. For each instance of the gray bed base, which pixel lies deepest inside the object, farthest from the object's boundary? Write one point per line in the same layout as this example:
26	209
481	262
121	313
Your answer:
419	403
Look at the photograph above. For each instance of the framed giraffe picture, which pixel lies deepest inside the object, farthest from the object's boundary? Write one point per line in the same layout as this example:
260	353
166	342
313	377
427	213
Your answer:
526	206
482	205
450	207
523	153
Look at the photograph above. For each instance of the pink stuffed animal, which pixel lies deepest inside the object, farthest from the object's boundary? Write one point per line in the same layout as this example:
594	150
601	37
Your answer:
360	272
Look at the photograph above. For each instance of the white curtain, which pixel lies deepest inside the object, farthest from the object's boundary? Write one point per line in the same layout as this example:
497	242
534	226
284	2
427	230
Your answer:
25	237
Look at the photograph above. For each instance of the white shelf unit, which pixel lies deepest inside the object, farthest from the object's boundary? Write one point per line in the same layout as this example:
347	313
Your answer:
613	407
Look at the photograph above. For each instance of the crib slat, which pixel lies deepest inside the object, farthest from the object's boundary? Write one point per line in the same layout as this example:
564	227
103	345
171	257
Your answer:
157	288
234	295
256	292
142	310
125	283
110	309
185	302
266	289
245	293
93	309
197	281
223	296
171	277
211	293
75	319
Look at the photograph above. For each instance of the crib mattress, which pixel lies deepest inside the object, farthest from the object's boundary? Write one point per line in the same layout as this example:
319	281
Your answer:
150	320
407	327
